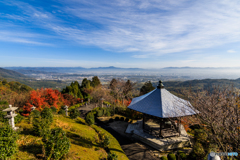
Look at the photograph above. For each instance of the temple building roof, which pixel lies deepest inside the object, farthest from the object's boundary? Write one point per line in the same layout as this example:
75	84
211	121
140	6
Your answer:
161	103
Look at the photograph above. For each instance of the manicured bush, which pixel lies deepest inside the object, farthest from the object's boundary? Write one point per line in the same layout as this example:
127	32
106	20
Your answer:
183	156
90	118
99	113
104	111
54	109
2	115
41	126
8	144
105	141
42	123
198	150
47	115
62	112
122	119
18	119
35	113
74	113
108	114
164	158
171	156
57	145
112	156
116	118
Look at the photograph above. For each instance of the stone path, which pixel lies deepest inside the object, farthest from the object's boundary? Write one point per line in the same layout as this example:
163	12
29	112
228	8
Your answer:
133	149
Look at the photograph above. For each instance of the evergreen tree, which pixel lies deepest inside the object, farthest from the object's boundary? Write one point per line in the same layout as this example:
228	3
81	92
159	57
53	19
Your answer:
74	89
95	81
147	87
8	141
113	84
128	87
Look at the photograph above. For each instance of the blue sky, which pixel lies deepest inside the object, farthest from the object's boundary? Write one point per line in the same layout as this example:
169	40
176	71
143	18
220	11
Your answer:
121	33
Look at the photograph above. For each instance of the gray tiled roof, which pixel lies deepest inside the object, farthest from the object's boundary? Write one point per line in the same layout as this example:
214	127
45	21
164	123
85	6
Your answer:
161	103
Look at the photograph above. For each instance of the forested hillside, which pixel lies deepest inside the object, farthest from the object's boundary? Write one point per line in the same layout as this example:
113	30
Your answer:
10	75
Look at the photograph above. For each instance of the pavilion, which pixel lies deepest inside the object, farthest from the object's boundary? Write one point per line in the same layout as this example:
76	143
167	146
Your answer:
165	108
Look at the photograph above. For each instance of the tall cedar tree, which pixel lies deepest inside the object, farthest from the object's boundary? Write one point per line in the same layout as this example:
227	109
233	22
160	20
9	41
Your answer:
74	90
95	81
113	84
147	87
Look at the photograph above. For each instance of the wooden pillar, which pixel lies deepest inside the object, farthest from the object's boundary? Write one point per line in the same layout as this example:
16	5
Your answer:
161	127
143	123
179	122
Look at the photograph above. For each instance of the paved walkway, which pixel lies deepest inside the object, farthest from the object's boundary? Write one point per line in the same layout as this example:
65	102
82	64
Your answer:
133	149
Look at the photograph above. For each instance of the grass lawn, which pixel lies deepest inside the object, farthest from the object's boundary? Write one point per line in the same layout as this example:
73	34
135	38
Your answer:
85	141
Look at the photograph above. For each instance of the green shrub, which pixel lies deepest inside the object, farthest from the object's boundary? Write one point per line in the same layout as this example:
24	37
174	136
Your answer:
18	118
62	112
183	156
8	144
108	114
57	145
99	113
198	150
171	156
54	109
112	156
105	141
200	135
47	115
90	118
2	115
122	119
116	118
41	126
104	111
74	113
164	158
42	123
35	113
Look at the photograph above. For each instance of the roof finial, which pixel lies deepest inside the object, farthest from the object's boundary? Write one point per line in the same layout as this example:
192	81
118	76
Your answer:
160	85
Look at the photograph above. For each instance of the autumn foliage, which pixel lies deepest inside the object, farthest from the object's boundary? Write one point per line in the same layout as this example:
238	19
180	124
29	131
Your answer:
44	98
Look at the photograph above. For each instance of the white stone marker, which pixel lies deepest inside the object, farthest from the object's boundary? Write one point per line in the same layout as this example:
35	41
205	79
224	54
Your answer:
33	108
66	110
10	116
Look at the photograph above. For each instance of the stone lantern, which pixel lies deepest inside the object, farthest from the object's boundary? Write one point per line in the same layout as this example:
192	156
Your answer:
66	110
102	99
33	108
10	116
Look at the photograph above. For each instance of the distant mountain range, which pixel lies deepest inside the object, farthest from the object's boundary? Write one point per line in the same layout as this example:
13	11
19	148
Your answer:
5	73
39	70
201	68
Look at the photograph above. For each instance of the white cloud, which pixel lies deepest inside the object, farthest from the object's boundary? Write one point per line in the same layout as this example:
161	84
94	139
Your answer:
231	51
153	27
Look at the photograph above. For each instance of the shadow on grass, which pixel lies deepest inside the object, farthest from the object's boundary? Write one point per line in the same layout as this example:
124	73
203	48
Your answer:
78	140
27	131
117	150
80	122
35	149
